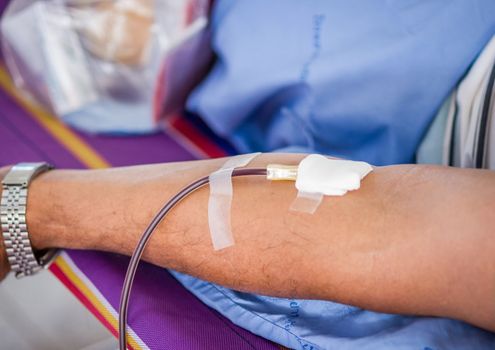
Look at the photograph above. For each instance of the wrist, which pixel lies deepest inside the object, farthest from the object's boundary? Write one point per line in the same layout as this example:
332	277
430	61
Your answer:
76	209
4	262
43	212
40	238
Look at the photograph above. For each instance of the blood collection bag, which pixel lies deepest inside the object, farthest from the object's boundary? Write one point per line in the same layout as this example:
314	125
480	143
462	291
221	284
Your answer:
107	65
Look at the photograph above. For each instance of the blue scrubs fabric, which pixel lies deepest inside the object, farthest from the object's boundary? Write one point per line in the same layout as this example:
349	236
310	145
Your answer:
355	79
318	325
351	78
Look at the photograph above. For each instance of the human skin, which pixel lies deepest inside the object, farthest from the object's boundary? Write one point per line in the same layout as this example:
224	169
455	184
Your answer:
4	264
413	239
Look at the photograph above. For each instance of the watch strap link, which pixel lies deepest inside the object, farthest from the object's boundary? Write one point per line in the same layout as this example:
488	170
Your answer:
18	247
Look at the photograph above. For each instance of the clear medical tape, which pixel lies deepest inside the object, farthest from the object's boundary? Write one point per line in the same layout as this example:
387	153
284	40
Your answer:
220	201
306	202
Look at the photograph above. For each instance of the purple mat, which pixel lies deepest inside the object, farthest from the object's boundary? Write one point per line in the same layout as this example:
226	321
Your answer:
162	313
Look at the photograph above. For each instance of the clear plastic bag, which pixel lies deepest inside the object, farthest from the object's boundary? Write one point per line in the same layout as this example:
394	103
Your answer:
107	65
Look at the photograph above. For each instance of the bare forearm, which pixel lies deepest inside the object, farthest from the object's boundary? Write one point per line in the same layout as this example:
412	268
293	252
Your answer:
411	240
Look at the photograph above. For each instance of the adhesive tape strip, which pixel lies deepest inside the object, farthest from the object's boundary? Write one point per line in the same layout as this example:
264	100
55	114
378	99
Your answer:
306	202
220	200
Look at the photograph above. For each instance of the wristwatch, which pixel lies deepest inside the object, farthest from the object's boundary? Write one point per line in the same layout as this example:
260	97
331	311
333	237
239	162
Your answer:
22	259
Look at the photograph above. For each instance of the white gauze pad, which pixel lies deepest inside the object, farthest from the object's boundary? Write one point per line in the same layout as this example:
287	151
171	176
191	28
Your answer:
220	201
318	176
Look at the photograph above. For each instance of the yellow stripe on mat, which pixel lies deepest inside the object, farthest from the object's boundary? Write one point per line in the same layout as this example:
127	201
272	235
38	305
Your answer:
72	142
74	278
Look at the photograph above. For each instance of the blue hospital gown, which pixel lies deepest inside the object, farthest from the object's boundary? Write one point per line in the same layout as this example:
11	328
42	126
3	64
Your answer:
351	78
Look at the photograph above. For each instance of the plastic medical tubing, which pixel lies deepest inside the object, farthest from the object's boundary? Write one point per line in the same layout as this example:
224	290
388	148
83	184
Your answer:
143	241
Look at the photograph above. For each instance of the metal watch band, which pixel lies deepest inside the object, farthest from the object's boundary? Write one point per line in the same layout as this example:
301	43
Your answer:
18	247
